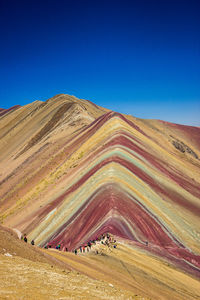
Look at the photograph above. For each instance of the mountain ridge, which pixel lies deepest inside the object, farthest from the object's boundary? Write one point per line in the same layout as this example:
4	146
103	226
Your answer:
71	171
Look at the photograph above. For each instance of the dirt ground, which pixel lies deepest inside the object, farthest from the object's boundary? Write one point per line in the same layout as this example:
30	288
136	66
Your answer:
24	279
28	273
10	243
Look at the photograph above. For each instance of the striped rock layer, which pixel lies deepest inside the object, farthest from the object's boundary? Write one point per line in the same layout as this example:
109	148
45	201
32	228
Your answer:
71	171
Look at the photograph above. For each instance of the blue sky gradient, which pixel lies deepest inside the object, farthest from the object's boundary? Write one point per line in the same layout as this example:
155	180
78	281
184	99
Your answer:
135	57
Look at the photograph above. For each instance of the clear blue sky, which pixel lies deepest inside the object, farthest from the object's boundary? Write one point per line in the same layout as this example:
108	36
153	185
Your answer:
136	57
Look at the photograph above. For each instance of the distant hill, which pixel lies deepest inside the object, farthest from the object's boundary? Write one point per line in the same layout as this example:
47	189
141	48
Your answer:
4	111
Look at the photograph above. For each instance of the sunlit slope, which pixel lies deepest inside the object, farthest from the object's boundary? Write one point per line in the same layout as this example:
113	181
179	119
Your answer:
33	139
24	267
135	269
71	171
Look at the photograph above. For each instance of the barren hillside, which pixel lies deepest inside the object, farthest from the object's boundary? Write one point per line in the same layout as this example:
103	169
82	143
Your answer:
71	171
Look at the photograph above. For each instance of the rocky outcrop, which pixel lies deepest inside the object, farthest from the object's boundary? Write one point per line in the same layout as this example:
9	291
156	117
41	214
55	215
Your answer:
184	148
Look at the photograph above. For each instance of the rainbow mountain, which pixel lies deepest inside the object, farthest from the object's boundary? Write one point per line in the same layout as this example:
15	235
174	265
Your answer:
71	170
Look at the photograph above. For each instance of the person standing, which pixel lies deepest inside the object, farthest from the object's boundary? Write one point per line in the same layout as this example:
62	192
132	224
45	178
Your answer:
25	239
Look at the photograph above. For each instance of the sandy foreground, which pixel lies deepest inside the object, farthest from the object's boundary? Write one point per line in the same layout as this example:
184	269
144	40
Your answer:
28	272
24	279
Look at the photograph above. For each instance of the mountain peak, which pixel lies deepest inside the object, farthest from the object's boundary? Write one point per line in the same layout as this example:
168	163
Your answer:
72	171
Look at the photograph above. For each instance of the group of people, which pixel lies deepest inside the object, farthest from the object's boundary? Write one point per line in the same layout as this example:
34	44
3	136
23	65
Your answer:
104	239
24	238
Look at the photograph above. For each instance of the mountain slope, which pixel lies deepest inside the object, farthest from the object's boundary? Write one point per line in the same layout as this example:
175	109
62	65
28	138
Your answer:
71	171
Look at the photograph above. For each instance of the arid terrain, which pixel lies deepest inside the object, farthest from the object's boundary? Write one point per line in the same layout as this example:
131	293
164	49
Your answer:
72	171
